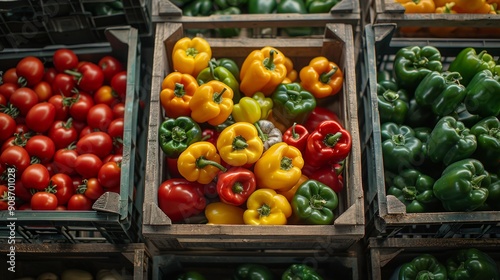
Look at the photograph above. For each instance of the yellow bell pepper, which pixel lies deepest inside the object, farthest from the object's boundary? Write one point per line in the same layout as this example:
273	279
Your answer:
220	213
291	73
177	90
239	144
212	102
190	56
321	77
200	162
266	207
289	193
279	167
418	6
263	70
470	6
247	110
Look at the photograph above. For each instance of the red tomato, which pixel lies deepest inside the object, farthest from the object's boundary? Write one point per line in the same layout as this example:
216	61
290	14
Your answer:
80	108
22	128
50	74
25	206
63	133
88	165
105	95
91	188
86	130
62	110
65	59
90	77
61	208
4	197
44	201
7	89
36	176
10	76
43	90
7	126
79	202
115	128
119	110
63	186
18	139
119	84
109	175
63	84
50	167
40	117
64	161
99	117
110	66
15	156
114	158
21	192
23	99
42	147
30	71
97	143
79	125
3	100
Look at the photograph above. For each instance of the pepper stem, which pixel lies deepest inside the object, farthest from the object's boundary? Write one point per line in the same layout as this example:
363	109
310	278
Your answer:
239	143
398	139
332	139
409	193
202	162
476	181
269	61
264	210
178	134
452	77
295	135
237	188
325	77
294	95
390	95
424	275
217	98
317	202
179	90
286	163
191	52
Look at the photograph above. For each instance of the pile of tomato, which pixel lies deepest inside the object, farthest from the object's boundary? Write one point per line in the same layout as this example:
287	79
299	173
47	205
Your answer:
61	131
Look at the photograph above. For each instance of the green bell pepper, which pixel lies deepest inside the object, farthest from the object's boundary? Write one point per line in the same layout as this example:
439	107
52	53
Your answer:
320	6
265	103
314	203
462	114
230	65
300	272
400	148
191	275
463	186
392	102
487	132
419	115
176	134
441	91
221	74
198	8
450	141
493	200
414	189
262	6
292	103
482	94
228	32
253	272
468	63
413	63
229	121
294	7
224	4
471	264
424	266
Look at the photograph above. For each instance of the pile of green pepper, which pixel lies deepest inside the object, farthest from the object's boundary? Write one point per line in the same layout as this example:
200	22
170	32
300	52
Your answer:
440	129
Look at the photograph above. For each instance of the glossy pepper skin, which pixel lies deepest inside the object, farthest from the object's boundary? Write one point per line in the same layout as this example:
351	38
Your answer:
330	175
418	6
191	275
414	189
230	65
279	167
292	103
441	91
321	77
296	136
482	94
262	6
223	4
291	73
266	207
320	6
220	213
487	132
314	203
190	56
239	144
328	143
463	186
294	7
247	110
268	133
228	32
300	272
413	63
253	272
423	266
221	74
177	91
493	201
289	193
265	103
318	115
400	148
392	102
450	141
235	185
471	264
468	62
200	162
212	102
263	70
180	199
175	135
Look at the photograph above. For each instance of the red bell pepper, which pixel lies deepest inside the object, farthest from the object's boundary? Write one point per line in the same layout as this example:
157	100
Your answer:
235	185
173	171
328	143
318	115
210	135
331	176
296	136
180	199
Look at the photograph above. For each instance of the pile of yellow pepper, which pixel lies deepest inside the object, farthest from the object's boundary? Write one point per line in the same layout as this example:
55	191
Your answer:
261	171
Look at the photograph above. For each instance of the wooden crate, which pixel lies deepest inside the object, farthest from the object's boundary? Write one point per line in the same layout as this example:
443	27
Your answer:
348	226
